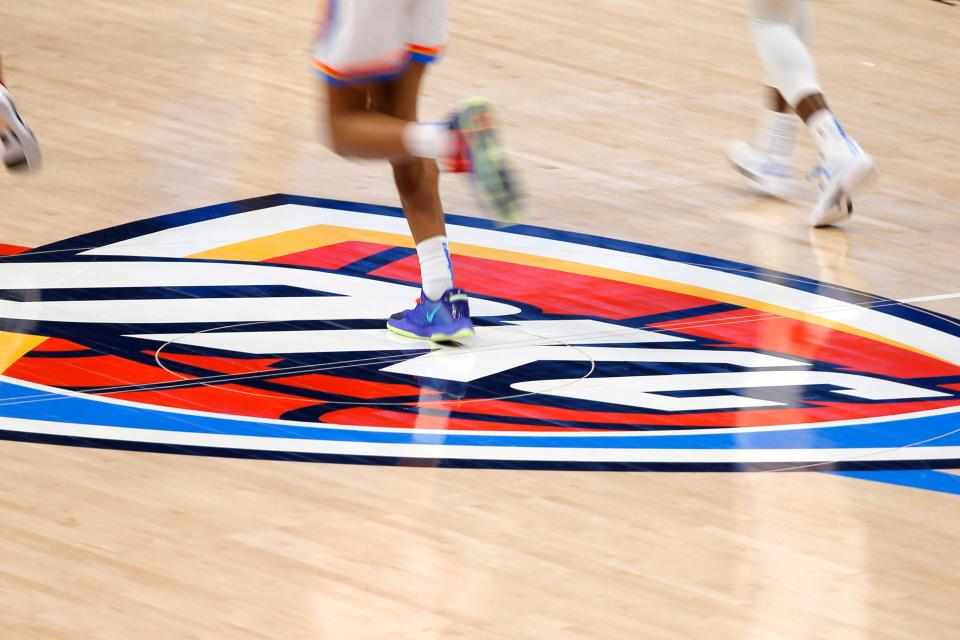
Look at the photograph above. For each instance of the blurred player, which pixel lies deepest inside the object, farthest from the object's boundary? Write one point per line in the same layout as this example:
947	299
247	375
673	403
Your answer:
21	151
781	29
373	56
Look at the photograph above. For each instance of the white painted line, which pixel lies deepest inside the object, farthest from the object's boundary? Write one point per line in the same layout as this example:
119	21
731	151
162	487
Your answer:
45	392
436	447
944	296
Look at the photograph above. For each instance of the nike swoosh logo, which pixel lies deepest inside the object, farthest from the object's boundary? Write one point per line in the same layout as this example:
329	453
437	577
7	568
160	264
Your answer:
431	314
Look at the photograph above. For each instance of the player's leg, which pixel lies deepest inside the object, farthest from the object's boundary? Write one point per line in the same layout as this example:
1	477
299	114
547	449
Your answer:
415	171
359	131
767	159
374	121
378	120
21	151
469	142
373	114
417	181
483	157
361	45
362	52
780	28
369	40
442	312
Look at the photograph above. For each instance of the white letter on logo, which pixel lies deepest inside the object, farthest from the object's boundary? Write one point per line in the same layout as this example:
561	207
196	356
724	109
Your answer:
641	391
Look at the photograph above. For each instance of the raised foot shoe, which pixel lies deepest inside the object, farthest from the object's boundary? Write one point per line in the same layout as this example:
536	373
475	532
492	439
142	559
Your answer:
21	151
440	320
766	161
768	174
495	180
845	172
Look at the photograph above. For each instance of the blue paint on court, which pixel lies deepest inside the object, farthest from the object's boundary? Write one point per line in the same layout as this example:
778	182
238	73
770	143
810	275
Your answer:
26	403
927	479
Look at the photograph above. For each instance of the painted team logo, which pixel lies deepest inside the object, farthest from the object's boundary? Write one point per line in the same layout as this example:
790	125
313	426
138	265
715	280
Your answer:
256	329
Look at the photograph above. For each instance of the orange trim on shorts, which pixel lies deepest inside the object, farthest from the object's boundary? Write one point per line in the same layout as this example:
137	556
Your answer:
427	52
393	62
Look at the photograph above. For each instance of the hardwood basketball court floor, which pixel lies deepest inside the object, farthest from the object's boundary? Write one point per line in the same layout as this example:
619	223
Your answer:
685	415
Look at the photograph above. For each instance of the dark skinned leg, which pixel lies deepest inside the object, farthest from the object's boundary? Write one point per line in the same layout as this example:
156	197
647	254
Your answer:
368	122
805	108
417	179
810	105
359	131
777	102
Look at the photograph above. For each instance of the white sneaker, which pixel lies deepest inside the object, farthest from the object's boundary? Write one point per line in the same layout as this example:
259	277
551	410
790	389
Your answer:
844	172
21	151
767	160
770	175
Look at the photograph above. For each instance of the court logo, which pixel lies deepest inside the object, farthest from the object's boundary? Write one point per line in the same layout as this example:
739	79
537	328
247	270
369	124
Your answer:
256	329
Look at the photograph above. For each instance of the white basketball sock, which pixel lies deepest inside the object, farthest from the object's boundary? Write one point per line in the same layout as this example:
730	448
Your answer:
436	268
429	140
775	133
827	132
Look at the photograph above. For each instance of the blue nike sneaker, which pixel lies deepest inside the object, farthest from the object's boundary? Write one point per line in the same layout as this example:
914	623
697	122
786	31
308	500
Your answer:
438	320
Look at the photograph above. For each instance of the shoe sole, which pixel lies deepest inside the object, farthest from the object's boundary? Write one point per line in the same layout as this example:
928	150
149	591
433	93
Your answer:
780	188
837	205
462	334
14	126
766	186
493	177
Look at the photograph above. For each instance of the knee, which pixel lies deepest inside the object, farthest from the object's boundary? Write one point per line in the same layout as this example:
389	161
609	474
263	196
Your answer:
336	136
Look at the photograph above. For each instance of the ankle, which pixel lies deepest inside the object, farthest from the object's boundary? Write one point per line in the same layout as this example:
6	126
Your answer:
776	133
826	130
436	268
430	140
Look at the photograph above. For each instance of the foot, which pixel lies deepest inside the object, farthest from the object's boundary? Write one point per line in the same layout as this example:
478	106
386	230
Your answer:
766	161
768	174
844	172
21	151
486	161
440	320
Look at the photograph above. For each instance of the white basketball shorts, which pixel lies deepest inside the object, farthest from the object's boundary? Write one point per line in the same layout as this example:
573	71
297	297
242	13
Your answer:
371	40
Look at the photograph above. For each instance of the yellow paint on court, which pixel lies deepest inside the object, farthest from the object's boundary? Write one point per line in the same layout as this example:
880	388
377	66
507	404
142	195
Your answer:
14	346
287	242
